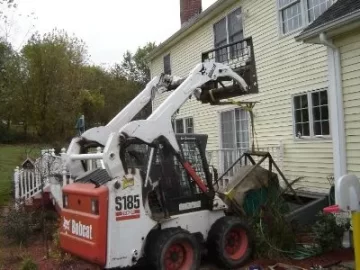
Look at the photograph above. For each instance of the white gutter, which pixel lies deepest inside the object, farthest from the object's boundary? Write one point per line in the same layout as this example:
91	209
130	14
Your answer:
335	97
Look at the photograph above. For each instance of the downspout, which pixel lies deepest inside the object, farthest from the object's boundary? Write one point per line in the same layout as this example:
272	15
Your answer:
337	124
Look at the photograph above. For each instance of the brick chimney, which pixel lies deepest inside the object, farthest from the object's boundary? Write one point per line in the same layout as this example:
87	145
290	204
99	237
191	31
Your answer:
189	9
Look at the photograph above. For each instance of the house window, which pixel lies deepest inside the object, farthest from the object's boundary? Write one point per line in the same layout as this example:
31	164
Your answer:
228	30
291	15
167	64
184	125
235	130
311	114
189	125
317	7
179	126
295	14
234	137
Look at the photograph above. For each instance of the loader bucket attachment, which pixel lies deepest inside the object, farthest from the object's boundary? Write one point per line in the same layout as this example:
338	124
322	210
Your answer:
251	178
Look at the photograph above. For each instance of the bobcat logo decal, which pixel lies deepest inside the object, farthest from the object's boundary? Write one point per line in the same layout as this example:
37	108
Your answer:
66	224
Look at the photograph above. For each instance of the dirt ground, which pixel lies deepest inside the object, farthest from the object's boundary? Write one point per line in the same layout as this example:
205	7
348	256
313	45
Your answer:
11	257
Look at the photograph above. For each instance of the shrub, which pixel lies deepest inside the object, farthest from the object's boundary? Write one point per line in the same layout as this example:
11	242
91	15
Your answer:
17	225
328	233
28	264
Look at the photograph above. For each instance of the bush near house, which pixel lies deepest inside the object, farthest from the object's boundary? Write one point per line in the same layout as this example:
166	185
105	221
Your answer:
29	264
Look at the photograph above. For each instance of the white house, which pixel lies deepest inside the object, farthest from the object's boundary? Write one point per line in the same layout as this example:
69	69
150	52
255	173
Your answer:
338	30
293	109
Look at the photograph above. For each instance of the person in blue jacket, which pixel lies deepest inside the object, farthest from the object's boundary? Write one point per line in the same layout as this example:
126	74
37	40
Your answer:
80	124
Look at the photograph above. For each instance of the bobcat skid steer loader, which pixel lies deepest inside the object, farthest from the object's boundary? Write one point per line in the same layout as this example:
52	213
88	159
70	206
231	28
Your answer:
159	208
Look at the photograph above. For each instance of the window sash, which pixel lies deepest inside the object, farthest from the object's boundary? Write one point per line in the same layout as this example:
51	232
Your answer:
316	7
235	129
167	64
320	112
224	30
220	32
234	25
189	125
317	123
184	125
179	126
283	4
307	11
229	35
292	18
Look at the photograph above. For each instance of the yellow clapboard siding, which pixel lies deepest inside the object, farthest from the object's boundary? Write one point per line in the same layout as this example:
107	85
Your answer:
351	84
353	95
354	68
352	124
352	139
350	57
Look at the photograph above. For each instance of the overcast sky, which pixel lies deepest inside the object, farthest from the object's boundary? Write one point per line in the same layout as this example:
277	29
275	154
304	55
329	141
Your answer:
108	27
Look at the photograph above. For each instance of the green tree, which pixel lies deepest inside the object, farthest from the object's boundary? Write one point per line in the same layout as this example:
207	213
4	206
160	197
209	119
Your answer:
119	91
136	66
91	102
54	63
142	63
11	81
49	83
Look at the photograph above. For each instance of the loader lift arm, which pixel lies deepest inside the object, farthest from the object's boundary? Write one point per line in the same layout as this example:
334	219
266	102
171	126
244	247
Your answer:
144	131
161	118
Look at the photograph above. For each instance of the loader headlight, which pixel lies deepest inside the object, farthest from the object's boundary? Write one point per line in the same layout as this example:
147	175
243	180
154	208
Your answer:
95	206
65	201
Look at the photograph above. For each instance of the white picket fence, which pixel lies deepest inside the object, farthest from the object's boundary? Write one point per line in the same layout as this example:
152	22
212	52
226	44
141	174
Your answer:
29	182
49	175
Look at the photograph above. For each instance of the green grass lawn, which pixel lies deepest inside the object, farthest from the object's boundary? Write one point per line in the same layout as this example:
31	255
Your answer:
10	157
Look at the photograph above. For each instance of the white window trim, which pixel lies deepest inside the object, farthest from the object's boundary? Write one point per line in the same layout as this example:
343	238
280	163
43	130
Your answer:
226	16
304	17
312	137
232	108
183	119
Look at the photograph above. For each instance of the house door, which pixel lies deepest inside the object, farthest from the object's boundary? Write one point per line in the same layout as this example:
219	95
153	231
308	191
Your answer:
234	137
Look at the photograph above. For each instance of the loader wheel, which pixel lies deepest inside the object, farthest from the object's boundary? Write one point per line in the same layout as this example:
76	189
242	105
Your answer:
175	249
229	242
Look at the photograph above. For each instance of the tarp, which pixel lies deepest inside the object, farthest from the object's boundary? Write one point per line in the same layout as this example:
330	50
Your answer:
247	178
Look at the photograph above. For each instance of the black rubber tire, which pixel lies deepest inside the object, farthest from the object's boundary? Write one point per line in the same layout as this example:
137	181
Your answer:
168	237
216	242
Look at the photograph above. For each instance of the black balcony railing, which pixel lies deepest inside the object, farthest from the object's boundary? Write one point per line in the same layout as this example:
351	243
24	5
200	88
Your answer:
240	57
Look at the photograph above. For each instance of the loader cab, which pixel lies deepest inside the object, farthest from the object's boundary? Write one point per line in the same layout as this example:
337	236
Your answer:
172	190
